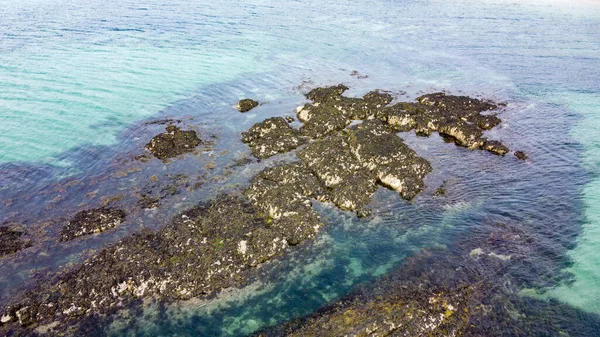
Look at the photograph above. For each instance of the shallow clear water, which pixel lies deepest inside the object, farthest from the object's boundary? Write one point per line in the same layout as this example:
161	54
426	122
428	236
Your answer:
77	78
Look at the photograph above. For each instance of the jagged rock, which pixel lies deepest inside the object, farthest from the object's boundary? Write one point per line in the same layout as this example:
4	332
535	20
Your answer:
334	164
394	164
378	98
172	143
11	240
270	137
457	118
91	221
246	105
321	120
283	193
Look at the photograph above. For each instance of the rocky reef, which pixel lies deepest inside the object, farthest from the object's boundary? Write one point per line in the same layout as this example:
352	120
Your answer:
11	239
246	105
218	244
351	161
173	142
91	221
207	248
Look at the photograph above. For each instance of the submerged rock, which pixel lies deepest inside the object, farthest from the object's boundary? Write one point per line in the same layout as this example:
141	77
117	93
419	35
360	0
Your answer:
467	290
90	222
246	105
271	137
173	142
11	240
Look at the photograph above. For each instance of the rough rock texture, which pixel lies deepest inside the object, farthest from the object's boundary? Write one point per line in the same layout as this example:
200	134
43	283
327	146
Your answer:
321	120
206	249
172	143
384	154
283	193
457	118
11	240
246	105
326	94
216	244
91	221
271	137
350	184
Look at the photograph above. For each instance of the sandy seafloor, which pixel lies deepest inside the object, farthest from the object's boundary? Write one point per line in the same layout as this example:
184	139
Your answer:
79	79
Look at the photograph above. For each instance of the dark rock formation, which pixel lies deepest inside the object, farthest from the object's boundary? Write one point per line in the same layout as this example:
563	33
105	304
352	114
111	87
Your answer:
172	143
283	193
271	137
457	118
11	240
246	105
521	155
91	221
384	154
208	248
217	244
321	120
326	94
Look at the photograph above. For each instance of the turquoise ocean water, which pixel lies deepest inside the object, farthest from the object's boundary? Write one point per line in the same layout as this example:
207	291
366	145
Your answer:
76	77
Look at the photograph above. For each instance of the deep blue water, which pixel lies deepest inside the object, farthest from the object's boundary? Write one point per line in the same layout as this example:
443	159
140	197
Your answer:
79	78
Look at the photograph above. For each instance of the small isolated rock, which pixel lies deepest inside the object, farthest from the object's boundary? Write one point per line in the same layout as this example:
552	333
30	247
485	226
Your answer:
270	137
172	143
521	155
91	221
246	105
322	95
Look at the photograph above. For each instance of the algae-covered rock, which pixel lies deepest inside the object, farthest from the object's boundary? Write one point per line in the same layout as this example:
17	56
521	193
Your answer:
383	153
246	105
207	248
378	98
283	193
321	120
326	94
457	118
11	240
173	142
351	185
270	137
91	221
